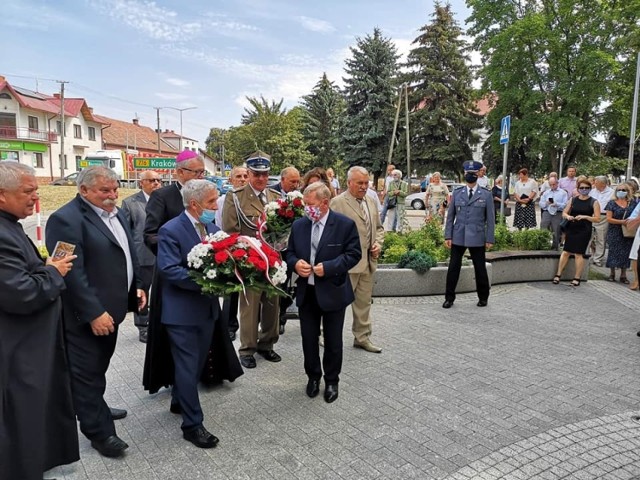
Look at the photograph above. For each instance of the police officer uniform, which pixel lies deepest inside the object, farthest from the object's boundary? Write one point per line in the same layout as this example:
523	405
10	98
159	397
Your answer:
470	225
242	210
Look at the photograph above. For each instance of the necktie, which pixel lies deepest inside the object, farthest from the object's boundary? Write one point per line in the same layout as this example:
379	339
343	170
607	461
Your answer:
263	198
315	238
202	230
470	193
367	220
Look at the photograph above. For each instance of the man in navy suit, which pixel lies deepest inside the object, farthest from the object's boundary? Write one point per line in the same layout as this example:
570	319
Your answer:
189	333
101	289
322	249
470	225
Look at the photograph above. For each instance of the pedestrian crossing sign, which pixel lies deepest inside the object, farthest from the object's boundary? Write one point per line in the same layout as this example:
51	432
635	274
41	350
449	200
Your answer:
505	128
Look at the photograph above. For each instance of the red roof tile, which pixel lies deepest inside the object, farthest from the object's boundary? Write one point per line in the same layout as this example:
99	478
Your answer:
125	135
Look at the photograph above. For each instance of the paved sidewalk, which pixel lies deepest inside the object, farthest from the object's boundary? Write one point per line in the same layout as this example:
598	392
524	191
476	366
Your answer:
543	383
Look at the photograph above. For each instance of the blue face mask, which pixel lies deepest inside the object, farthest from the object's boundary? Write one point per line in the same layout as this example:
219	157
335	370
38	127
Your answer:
621	194
207	216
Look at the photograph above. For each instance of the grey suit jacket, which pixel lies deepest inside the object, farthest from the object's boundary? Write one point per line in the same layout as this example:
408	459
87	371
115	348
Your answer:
470	223
134	209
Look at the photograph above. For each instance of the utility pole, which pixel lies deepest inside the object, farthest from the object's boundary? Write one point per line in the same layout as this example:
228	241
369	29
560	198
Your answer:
158	128
406	118
62	129
634	118
181	110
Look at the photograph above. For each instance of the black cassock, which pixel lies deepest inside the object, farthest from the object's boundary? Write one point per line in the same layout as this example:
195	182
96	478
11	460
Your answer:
37	422
222	361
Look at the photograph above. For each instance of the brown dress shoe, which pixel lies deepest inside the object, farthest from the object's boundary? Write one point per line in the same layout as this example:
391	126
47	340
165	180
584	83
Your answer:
367	345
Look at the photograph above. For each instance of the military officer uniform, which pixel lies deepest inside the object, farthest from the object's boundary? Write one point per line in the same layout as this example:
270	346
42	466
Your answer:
241	212
470	225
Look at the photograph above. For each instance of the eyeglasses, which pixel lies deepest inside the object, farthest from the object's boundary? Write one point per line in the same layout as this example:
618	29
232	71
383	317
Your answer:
622	190
153	180
195	172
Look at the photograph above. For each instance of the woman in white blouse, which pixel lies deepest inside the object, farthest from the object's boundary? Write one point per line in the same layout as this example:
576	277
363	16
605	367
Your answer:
525	193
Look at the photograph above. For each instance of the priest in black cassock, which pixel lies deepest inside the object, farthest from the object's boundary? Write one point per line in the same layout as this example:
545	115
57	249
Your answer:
37	422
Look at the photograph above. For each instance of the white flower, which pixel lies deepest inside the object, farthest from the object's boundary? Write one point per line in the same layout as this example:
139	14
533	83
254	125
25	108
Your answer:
271	208
211	273
281	274
293	195
197	254
216	237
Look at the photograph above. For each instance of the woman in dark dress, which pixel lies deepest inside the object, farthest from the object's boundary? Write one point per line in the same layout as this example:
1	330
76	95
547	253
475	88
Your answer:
618	210
582	212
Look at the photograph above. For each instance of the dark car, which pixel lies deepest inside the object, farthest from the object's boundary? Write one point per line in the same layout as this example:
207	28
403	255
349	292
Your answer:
222	183
70	179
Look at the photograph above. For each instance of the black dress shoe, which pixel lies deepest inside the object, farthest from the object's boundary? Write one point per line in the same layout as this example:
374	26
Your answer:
175	408
482	303
270	355
447	304
118	413
281	329
112	446
143	335
232	336
330	393
248	361
313	388
200	437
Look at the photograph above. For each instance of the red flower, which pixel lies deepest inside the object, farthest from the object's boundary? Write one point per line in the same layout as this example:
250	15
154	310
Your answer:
226	243
221	257
239	254
290	214
297	202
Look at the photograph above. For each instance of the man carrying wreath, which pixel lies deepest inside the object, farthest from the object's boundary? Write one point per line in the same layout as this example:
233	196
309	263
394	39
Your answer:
242	210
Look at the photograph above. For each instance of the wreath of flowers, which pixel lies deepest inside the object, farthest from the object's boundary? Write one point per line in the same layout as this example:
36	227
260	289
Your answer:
223	264
275	223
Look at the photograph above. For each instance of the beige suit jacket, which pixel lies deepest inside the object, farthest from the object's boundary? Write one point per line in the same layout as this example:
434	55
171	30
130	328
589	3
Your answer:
251	207
346	204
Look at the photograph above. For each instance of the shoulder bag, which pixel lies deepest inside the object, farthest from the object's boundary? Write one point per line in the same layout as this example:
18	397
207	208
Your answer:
628	232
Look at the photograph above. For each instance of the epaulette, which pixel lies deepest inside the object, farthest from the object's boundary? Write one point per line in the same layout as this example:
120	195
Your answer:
277	192
458	188
239	189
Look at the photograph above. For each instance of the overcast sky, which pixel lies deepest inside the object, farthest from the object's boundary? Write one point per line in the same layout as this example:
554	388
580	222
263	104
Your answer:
127	56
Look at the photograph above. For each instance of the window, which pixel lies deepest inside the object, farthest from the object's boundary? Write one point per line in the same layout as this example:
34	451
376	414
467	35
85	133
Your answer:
33	123
92	133
5	96
59	128
77	131
37	160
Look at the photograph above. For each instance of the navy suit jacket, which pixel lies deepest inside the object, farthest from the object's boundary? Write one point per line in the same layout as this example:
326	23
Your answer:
182	300
98	280
338	251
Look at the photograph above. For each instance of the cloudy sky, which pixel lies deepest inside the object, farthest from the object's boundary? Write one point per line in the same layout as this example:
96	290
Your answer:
127	56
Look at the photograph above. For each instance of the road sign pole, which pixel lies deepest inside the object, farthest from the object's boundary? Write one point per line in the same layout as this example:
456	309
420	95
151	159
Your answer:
505	181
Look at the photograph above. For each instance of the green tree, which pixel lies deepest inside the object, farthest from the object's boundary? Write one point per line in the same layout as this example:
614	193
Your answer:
215	143
370	91
261	108
323	108
441	97
552	65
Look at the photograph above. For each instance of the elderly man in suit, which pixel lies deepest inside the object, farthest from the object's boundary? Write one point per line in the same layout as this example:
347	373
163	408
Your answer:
322	248
242	210
470	225
359	207
37	426
101	289
134	208
189	335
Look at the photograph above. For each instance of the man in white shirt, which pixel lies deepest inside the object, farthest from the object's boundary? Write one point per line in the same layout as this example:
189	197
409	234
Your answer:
483	180
387	180
602	193
552	202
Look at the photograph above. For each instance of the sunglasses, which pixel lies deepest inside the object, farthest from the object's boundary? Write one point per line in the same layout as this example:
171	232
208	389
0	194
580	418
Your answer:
195	172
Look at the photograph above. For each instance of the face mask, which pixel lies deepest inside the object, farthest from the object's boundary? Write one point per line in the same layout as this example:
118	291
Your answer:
584	191
621	194
207	216
312	213
470	177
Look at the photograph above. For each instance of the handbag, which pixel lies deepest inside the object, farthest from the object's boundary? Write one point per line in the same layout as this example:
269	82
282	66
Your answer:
628	232
564	224
392	202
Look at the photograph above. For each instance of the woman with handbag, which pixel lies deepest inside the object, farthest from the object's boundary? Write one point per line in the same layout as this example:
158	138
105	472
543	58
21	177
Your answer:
435	197
580	214
619	236
526	191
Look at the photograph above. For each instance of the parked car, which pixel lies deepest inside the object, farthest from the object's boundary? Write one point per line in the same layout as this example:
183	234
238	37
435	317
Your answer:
70	179
222	183
416	200
273	180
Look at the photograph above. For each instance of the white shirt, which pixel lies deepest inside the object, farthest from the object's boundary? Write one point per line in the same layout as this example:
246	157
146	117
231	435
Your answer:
193	222
322	223
602	197
560	199
483	181
220	203
372	193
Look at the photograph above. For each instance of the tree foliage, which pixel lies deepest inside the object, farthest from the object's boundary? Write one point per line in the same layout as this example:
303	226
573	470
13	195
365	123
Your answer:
324	109
370	91
441	99
552	65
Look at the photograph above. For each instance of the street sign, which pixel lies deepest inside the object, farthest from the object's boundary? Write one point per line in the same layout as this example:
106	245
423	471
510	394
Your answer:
505	128
227	167
153	162
90	163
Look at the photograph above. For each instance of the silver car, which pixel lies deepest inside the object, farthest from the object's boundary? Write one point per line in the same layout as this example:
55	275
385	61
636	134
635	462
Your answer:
416	200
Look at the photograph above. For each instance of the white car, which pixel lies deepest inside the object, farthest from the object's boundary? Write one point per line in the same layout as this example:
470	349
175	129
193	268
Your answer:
416	200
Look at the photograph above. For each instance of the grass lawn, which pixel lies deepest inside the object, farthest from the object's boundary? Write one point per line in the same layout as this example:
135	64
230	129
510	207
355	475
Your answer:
53	197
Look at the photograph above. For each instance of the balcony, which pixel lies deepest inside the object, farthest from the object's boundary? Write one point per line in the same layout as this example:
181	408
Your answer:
25	133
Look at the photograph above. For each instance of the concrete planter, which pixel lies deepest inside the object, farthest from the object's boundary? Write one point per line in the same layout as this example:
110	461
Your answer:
502	267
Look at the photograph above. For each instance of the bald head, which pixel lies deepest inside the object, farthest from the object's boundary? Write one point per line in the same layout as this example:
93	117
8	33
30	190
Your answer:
150	181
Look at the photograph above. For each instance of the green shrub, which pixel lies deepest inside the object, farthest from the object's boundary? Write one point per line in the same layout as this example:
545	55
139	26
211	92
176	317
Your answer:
419	261
393	253
532	239
504	237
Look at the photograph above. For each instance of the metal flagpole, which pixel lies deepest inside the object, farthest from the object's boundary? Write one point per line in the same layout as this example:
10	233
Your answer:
634	117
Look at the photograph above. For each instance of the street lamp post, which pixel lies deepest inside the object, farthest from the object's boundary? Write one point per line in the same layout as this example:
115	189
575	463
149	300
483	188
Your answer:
181	110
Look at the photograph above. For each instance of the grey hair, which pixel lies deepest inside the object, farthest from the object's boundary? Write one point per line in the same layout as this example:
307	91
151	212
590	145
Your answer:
499	178
287	170
602	178
89	175
196	190
11	174
397	172
356	169
320	188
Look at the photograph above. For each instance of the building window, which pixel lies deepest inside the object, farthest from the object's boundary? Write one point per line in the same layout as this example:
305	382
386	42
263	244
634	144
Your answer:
92	133
37	161
33	123
59	128
77	131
